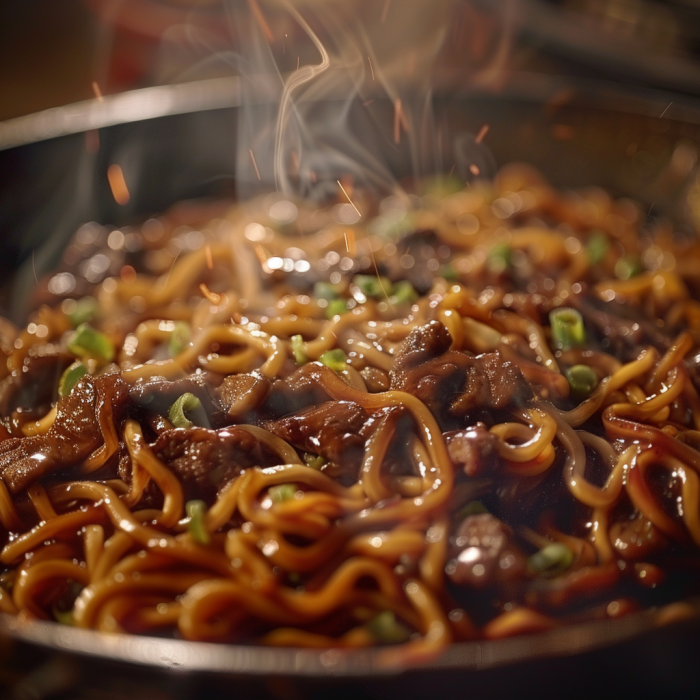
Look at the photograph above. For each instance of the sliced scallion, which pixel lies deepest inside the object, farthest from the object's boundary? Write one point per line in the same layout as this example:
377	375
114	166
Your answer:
628	266
372	286
64	617
403	293
448	272
472	508
313	461
84	311
298	350
582	380
568	330
551	560
88	342
325	290
334	359
196	510
597	247
183	405
336	307
70	378
500	258
386	629
179	338
282	492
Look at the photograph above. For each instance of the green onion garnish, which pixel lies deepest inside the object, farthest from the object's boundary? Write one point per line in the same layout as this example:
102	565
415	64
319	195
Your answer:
196	511
179	338
298	350
313	461
371	286
500	258
403	293
472	508
87	342
448	272
551	560
334	359
597	247
336	307
628	266
325	290
65	617
84	311
582	380
70	378
567	328
282	492
185	404
386	629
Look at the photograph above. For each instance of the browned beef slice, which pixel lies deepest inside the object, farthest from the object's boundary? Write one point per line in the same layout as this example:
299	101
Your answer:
73	436
637	539
206	460
241	395
454	383
473	449
332	430
483	553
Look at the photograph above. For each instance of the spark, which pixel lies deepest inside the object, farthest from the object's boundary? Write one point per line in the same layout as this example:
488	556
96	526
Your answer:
371	67
452	169
482	133
167	278
399	120
260	19
117	184
367	103
210	261
213	297
474	169
385	10
97	91
298	58
350	242
36	279
348	196
666	110
255	165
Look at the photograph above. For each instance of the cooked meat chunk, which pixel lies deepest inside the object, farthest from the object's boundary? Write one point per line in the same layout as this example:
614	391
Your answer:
73	436
332	430
158	395
242	394
473	449
637	539
375	379
483	553
36	384
299	390
454	384
207	460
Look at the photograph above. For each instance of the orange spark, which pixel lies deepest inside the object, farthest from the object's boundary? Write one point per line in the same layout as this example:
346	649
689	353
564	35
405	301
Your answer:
350	242
385	10
474	169
399	120
208	294
255	165
127	273
482	133
210	260
371	67
97	91
562	132
117	184
260	19
348	196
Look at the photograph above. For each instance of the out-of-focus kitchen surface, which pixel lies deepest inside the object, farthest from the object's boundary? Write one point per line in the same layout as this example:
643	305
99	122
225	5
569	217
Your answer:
52	52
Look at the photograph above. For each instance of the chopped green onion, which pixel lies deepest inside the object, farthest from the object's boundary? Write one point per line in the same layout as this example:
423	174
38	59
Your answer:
196	511
372	286
70	378
403	293
185	404
472	508
336	307
597	247
448	272
325	290
84	311
179	338
582	380
87	342
386	629
500	258
313	461
335	359
551	560
628	266
298	350
65	617
282	492
567	328
441	186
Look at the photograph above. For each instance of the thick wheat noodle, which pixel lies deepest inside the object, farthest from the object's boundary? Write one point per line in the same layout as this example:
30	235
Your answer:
526	451
41	502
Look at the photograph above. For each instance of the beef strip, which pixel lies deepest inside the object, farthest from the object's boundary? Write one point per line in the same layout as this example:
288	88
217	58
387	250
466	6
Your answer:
483	553
473	449
242	394
74	435
637	539
158	394
205	461
453	384
333	430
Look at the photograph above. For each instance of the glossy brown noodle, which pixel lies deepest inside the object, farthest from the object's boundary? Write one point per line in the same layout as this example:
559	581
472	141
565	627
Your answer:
382	542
